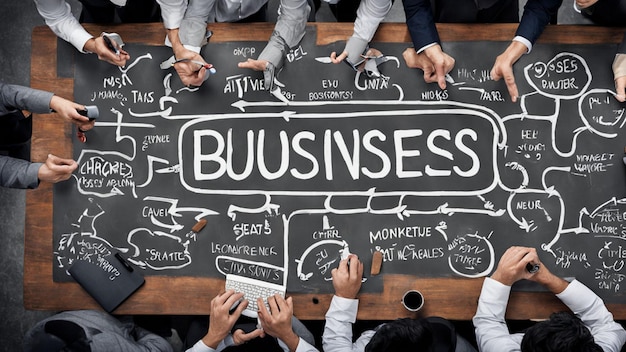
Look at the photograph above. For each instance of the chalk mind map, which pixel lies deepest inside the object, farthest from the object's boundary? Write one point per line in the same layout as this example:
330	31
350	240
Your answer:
442	182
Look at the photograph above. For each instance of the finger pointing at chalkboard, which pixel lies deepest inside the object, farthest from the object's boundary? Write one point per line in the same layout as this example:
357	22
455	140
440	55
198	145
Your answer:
56	169
503	67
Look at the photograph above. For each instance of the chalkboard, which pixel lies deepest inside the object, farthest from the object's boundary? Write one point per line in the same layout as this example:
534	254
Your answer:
442	182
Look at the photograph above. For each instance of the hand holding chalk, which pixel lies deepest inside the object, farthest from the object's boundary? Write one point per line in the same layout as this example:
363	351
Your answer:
56	169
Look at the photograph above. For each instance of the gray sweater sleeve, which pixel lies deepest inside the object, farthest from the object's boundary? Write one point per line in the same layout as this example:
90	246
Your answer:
18	173
288	31
14	97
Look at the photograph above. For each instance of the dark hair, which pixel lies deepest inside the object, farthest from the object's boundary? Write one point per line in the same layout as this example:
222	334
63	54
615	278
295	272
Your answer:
562	332
402	335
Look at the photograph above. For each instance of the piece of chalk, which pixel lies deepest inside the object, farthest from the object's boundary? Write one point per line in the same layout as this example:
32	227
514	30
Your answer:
199	226
377	261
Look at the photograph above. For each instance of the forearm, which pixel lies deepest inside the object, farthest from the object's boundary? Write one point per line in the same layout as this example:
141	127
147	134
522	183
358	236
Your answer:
14	97
492	333
337	334
421	23
58	16
172	12
194	24
369	16
537	15
288	31
17	173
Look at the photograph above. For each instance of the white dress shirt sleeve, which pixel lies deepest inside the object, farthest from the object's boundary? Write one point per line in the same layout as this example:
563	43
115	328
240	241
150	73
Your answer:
340	316
590	308
58	16
492	333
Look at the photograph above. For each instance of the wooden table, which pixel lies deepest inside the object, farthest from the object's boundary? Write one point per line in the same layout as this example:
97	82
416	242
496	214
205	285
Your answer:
452	298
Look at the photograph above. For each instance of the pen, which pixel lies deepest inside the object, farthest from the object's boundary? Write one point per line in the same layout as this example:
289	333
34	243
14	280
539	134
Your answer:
110	45
202	64
123	261
532	268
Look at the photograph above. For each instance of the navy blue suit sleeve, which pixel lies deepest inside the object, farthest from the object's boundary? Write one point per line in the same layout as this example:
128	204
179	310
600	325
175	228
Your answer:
622	47
421	23
537	15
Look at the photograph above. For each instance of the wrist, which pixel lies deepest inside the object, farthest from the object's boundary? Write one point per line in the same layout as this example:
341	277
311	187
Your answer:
90	46
291	340
502	279
211	340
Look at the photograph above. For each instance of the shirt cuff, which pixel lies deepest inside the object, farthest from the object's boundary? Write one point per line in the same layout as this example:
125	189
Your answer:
79	38
32	175
193	48
619	66
524	41
426	47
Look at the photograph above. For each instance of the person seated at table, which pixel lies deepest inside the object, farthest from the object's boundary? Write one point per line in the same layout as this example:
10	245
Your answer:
16	170
610	13
187	33
428	55
425	334
590	328
58	16
91	331
369	15
277	328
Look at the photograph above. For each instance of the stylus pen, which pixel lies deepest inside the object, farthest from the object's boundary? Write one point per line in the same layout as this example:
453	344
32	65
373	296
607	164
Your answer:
110	45
202	64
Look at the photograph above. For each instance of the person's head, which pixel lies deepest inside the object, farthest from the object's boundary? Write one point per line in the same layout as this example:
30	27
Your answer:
431	334
562	332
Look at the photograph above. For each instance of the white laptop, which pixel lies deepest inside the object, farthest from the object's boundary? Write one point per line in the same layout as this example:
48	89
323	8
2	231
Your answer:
253	289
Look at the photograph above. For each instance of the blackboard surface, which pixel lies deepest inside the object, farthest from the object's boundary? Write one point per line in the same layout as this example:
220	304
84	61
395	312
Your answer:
440	181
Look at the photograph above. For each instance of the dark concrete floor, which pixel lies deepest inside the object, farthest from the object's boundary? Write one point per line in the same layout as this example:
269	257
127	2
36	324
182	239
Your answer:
17	18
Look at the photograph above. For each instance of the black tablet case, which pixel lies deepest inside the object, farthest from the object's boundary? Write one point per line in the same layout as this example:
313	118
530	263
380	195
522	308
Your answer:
110	280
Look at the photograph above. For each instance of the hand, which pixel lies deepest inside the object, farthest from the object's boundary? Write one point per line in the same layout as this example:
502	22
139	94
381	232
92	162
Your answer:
67	110
421	61
221	321
98	46
56	169
277	322
240	337
512	265
442	63
620	89
190	73
582	4
338	59
257	65
347	280
503	67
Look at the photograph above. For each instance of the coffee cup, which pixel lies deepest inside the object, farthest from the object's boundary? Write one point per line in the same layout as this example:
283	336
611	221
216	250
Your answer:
413	300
